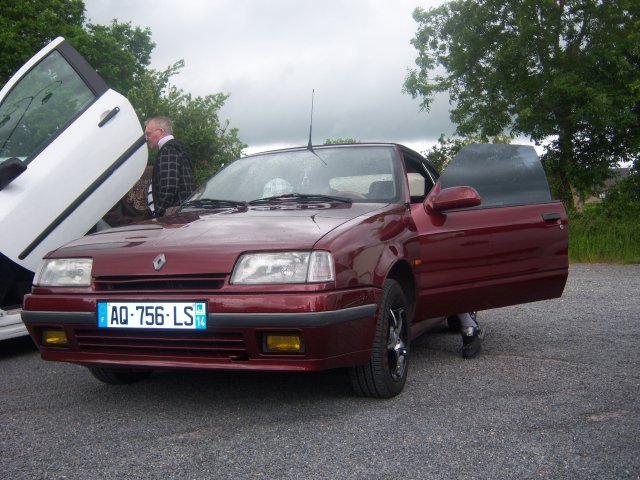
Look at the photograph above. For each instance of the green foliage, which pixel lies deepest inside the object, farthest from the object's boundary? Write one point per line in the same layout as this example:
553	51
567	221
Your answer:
339	141
560	71
196	122
593	238
609	231
28	25
151	95
119	52
622	201
443	152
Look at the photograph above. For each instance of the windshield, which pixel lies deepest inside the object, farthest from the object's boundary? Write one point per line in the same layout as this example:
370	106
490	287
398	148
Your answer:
361	174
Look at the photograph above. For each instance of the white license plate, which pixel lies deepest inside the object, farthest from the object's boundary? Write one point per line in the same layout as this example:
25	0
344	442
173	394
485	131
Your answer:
153	315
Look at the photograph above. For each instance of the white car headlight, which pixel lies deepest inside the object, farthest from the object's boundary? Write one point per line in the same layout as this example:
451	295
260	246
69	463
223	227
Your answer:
64	272
283	267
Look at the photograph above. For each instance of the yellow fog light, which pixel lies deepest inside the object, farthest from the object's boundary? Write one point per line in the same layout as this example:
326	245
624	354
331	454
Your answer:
283	343
55	337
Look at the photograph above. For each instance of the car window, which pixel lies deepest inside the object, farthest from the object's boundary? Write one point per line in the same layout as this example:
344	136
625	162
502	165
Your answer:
42	103
370	173
421	178
502	174
379	185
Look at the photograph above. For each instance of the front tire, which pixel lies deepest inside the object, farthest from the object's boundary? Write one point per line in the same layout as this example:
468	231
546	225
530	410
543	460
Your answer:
119	376
386	373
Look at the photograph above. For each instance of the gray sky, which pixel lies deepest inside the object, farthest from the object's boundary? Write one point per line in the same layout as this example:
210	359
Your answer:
269	55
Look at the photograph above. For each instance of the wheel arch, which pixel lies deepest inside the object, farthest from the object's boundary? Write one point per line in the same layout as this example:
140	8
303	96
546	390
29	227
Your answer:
402	273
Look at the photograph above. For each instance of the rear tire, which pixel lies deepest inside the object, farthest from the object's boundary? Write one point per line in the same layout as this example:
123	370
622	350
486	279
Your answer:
386	373
119	376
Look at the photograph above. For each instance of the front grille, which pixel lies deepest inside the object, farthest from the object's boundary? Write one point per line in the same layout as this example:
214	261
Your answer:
159	283
171	343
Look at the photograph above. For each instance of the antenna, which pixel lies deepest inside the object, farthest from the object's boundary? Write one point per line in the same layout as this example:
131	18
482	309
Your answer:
310	144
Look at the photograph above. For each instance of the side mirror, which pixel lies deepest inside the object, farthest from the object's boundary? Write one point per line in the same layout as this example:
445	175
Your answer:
10	169
452	198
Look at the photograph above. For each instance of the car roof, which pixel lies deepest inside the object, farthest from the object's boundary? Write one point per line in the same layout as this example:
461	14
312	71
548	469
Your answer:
340	145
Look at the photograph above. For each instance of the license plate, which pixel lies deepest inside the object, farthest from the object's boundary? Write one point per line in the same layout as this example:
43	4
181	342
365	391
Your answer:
153	315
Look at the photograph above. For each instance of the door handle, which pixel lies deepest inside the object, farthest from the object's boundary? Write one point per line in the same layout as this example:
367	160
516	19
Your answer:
109	116
551	217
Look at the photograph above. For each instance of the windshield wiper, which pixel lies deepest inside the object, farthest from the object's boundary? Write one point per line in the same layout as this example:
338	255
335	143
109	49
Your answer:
212	203
300	198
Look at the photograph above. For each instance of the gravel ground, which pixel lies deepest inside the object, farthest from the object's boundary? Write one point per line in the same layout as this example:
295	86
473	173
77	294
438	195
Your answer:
553	396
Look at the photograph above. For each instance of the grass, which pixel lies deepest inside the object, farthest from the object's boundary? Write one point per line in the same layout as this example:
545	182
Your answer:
595	237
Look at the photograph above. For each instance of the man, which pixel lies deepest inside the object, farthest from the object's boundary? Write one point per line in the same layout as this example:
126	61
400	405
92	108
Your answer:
172	177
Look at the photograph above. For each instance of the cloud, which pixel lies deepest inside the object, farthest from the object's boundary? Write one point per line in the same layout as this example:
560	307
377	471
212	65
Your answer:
270	55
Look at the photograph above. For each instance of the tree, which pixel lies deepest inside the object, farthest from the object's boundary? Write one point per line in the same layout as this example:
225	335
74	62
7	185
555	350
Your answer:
339	141
119	52
196	123
28	25
563	72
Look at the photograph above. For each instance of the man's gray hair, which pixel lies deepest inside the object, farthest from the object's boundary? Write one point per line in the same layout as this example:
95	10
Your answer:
164	123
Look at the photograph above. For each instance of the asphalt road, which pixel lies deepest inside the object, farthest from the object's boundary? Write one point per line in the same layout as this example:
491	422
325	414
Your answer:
554	396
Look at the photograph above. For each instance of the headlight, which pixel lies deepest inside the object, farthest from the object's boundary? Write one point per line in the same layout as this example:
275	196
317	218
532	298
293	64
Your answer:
64	272
283	267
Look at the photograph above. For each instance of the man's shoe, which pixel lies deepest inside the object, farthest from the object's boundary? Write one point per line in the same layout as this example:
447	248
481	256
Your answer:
471	341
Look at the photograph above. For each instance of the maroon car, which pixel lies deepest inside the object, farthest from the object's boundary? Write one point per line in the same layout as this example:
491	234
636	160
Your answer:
306	259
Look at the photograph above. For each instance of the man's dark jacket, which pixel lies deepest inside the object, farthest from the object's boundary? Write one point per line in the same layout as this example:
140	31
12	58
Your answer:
172	177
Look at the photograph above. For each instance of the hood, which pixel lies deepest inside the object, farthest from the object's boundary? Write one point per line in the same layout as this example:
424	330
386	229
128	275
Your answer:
209	241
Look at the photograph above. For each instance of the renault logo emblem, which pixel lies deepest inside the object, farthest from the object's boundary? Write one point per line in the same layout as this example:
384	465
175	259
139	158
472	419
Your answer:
159	261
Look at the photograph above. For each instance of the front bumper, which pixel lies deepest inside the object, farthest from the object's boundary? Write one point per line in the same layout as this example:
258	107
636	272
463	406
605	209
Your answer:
233	340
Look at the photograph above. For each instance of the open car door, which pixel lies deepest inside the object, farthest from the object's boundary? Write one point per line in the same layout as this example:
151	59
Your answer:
490	234
70	148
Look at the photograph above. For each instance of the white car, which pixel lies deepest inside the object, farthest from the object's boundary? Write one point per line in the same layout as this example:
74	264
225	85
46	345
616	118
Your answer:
70	148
